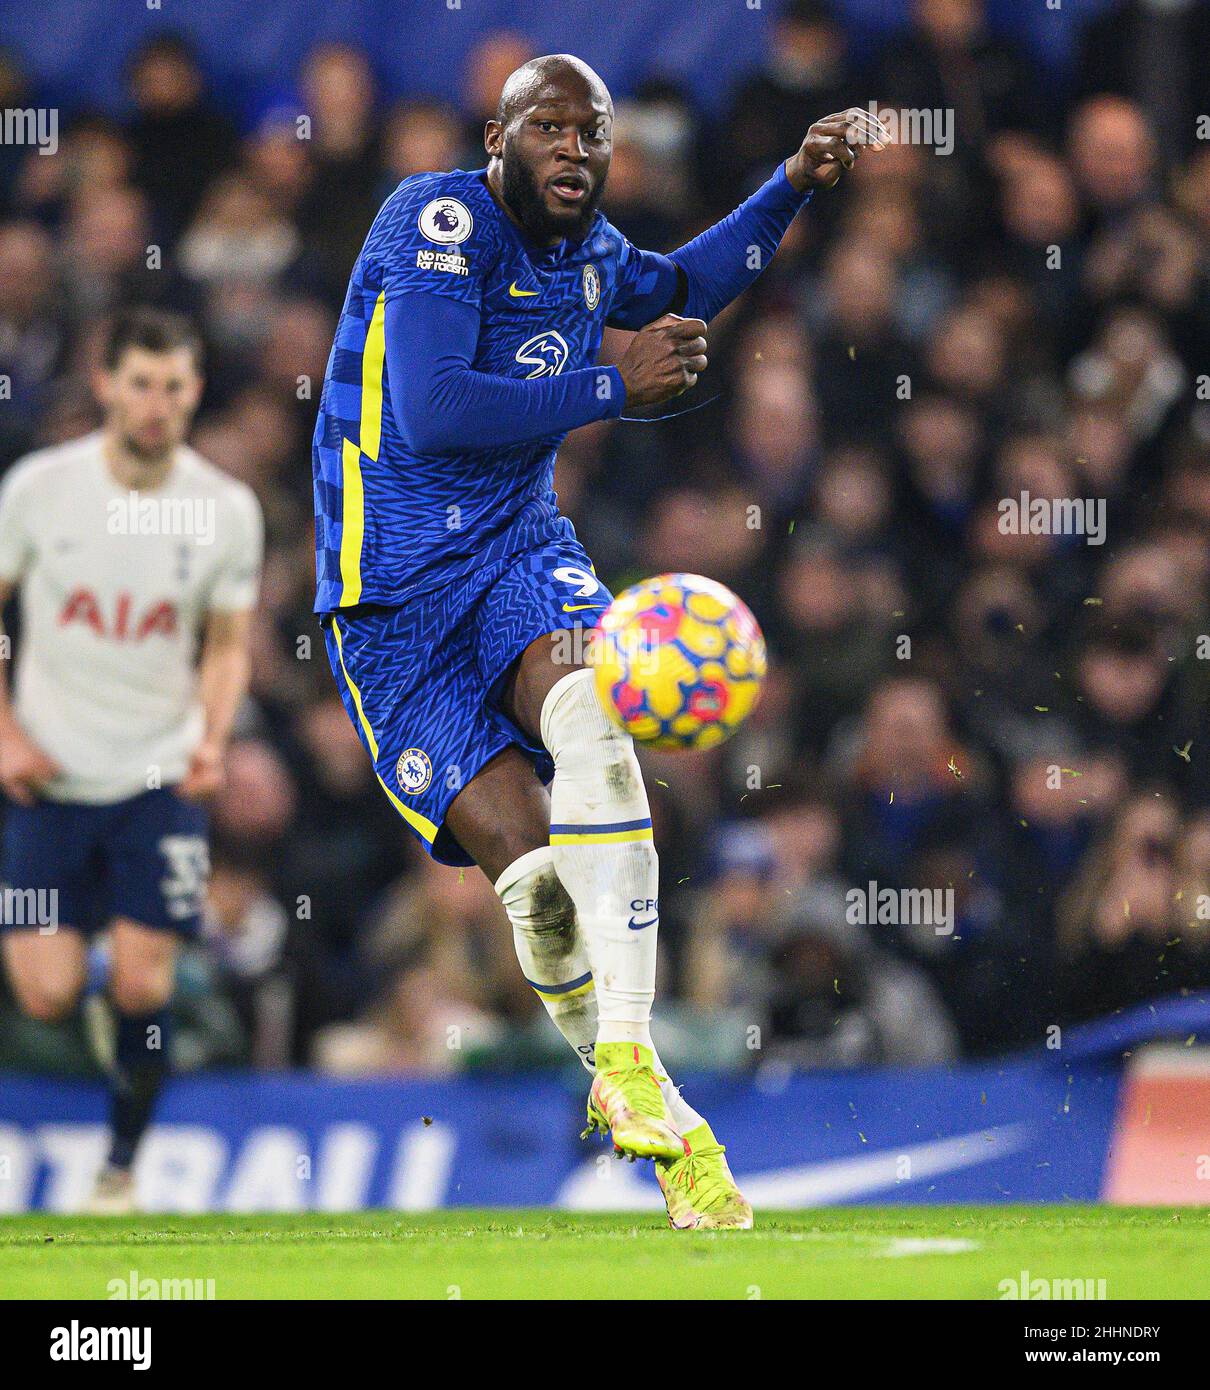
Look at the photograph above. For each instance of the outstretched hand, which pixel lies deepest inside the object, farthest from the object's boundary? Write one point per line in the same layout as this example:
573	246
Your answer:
833	145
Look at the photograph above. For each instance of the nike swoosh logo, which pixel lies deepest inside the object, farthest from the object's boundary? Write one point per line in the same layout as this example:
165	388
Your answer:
579	607
515	293
812	1184
638	926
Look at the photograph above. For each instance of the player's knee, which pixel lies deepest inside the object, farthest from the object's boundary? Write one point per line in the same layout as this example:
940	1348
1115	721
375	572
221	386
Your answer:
47	1000
587	745
552	914
140	989
538	905
572	719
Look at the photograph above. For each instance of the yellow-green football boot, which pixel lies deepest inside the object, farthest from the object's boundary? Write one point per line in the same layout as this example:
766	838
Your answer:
626	1103
698	1187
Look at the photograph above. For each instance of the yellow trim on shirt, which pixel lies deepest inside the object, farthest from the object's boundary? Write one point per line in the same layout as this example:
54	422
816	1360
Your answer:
353	527
352	532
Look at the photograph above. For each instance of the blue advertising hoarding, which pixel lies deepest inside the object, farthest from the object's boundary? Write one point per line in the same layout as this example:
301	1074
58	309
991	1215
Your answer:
1030	1128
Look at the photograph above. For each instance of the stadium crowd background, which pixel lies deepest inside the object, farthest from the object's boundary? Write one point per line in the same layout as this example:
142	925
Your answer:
1030	312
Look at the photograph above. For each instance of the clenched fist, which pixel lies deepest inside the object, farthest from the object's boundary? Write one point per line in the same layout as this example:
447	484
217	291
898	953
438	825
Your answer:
663	359
833	145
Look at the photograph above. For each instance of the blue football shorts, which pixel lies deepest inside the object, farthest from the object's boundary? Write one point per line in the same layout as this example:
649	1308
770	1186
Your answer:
67	864
421	682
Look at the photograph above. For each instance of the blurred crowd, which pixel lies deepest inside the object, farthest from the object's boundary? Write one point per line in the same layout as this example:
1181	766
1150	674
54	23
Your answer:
1015	718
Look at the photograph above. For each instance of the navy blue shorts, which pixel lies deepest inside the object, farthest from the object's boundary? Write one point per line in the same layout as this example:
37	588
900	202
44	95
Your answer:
145	858
421	682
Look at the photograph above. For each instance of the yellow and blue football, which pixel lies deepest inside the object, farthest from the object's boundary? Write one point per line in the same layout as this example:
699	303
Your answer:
679	661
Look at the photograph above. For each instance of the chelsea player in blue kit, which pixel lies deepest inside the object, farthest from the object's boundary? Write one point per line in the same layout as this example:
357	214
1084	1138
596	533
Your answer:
446	576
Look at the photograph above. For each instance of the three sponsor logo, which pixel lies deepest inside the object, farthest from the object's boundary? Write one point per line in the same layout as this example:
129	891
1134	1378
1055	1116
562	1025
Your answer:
545	353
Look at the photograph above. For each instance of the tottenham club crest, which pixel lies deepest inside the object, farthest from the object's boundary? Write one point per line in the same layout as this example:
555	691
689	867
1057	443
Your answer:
446	221
592	287
413	771
546	353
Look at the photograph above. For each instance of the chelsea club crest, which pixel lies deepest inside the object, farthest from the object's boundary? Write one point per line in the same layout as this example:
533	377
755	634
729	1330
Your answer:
592	287
413	771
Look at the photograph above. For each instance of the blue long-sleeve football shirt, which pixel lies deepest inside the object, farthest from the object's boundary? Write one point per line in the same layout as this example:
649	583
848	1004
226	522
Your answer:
463	355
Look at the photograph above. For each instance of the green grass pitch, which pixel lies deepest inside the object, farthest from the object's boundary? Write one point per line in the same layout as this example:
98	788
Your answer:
865	1252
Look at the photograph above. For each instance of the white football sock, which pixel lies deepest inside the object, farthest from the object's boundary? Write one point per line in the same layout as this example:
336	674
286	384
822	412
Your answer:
684	1117
556	966
552	955
601	837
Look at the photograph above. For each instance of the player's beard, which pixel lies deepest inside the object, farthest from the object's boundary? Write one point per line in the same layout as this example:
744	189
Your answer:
523	197
148	456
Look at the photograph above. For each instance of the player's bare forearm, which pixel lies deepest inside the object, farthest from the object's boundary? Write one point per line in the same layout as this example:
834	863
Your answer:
224	672
24	766
6	710
223	681
8	719
833	145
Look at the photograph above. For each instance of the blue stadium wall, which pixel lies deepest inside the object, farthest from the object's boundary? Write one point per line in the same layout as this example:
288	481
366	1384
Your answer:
1028	1128
417	46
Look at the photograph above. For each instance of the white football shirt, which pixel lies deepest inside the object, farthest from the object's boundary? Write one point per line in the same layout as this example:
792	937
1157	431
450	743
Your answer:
115	588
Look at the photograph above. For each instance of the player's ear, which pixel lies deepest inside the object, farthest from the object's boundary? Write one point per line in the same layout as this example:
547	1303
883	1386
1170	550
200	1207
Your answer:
102	386
197	384
493	138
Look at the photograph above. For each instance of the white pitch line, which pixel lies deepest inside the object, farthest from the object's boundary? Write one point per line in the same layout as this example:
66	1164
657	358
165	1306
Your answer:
925	1245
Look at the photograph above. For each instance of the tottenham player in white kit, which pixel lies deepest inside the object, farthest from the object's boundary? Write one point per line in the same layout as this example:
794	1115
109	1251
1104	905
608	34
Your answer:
138	566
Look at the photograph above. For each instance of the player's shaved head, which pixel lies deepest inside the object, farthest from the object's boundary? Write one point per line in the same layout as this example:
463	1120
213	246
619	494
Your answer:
554	72
550	144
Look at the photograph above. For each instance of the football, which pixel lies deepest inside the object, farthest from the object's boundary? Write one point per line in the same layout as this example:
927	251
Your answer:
679	661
